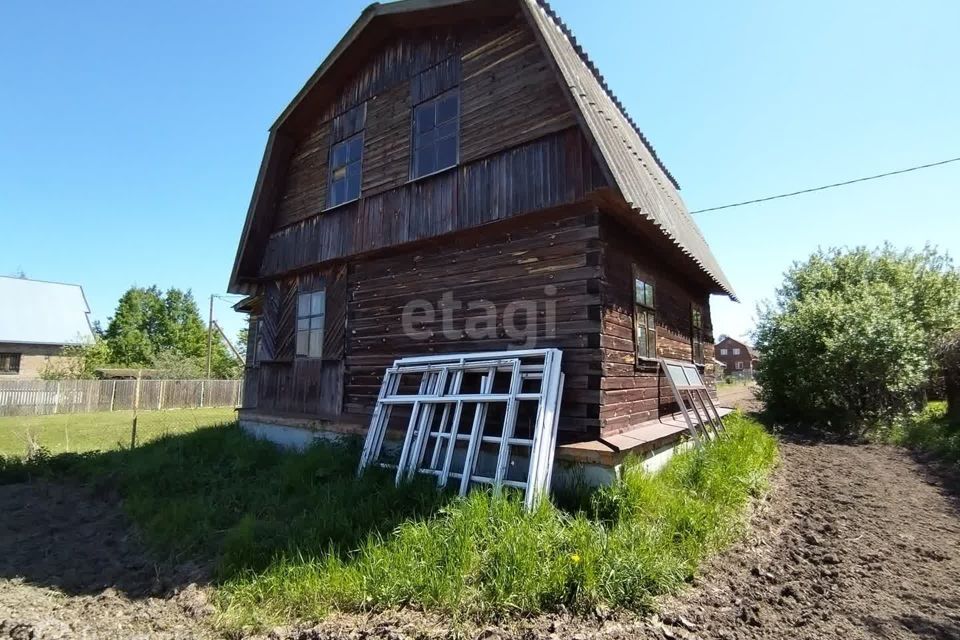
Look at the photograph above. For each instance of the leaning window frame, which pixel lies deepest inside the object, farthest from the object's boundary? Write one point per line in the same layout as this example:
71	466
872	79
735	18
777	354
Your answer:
649	312
310	330
330	204
413	176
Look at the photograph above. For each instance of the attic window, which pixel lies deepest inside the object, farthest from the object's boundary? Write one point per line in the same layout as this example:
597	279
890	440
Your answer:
345	165
436	133
9	363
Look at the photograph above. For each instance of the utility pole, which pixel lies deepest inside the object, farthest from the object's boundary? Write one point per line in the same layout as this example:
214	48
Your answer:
210	336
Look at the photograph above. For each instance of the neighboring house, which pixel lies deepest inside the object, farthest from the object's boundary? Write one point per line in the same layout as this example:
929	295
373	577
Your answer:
465	156
736	356
38	319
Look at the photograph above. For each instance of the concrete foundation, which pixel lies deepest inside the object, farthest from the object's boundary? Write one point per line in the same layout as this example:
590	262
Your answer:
569	472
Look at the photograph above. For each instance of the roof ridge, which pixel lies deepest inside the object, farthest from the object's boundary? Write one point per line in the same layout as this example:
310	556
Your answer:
568	33
62	284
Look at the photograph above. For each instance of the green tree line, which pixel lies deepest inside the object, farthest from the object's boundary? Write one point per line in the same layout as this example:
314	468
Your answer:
150	329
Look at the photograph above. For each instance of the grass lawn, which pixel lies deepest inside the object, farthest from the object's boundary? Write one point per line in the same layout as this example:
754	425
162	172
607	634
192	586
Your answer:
106	430
296	536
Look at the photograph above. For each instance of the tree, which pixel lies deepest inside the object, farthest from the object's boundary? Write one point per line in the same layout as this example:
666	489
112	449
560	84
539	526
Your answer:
949	359
164	331
133	332
850	339
79	362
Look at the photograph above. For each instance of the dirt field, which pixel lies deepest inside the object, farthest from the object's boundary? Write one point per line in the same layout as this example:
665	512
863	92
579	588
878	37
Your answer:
852	542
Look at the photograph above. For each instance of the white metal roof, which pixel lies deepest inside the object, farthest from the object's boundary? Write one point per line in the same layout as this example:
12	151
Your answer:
38	312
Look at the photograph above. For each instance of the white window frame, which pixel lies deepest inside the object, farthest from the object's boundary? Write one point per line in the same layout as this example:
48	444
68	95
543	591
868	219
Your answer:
723	352
736	351
739	365
311	317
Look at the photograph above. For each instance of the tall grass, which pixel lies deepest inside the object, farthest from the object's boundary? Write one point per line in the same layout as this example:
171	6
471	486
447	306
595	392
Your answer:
484	557
298	535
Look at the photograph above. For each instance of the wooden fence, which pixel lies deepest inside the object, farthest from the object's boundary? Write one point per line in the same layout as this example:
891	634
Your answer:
45	397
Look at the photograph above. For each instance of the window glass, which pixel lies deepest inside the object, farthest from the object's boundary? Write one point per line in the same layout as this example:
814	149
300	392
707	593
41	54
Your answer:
436	134
311	308
645	323
346	161
9	363
696	334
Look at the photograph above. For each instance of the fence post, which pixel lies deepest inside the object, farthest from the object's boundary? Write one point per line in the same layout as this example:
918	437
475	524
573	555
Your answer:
136	394
56	399
113	395
160	397
201	394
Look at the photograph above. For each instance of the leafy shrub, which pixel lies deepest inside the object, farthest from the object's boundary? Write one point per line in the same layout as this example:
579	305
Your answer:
948	354
931	431
848	344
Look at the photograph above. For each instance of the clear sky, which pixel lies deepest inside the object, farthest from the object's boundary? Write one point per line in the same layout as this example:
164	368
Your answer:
131	132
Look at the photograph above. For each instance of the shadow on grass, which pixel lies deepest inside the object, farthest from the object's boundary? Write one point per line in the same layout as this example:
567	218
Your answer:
214	501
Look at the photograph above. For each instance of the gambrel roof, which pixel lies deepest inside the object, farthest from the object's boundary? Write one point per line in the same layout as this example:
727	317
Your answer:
622	152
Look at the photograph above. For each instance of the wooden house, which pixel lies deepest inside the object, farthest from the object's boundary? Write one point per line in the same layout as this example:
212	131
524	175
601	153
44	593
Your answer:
450	164
37	320
737	357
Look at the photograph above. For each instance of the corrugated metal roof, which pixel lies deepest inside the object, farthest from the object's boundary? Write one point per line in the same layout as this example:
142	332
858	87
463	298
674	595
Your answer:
639	175
38	312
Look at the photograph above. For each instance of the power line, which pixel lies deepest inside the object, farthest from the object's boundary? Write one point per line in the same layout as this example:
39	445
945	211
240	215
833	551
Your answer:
829	186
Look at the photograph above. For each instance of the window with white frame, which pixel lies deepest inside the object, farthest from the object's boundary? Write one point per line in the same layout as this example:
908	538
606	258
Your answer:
311	308
436	132
644	317
723	352
739	365
736	351
346	159
696	333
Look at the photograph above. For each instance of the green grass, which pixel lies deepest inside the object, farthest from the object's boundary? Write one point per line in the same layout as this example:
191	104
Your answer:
296	536
930	431
104	430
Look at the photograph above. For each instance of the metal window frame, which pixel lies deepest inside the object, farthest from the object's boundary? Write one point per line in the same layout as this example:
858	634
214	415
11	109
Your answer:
688	393
440	389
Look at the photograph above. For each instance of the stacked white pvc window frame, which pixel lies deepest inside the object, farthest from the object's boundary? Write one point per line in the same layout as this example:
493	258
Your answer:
691	393
474	419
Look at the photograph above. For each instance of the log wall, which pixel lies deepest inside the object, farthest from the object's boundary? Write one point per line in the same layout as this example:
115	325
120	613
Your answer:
633	392
554	261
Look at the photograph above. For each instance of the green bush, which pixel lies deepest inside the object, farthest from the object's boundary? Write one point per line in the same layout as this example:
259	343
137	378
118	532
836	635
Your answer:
949	357
848	344
931	431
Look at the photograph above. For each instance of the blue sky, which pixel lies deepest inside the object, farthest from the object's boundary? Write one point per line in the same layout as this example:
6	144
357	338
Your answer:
131	132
